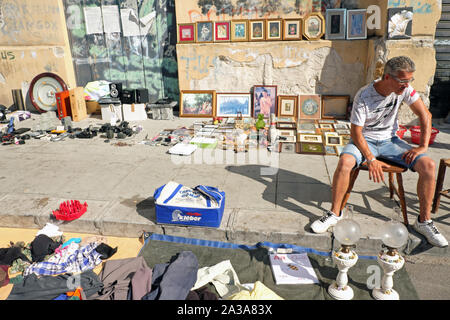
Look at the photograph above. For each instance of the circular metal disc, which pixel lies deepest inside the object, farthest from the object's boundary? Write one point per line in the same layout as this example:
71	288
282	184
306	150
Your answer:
43	91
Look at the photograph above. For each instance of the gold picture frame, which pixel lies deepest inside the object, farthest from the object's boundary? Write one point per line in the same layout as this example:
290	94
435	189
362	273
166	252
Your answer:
274	29
197	103
314	26
239	30
287	106
257	30
292	29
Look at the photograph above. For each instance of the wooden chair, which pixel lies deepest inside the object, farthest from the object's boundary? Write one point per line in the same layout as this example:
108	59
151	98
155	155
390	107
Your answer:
439	184
392	170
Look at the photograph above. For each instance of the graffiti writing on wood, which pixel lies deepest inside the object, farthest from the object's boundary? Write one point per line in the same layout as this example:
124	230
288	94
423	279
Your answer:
197	64
7	55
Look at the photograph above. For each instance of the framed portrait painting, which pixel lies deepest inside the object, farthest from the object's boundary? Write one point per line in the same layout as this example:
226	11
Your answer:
264	100
309	107
292	29
205	32
336	21
233	104
314	26
239	30
400	23
287	106
186	33
197	103
274	28
257	30
356	24
222	31
310	148
335	106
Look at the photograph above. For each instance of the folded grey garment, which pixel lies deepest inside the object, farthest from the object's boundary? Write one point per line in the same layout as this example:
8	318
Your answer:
174	280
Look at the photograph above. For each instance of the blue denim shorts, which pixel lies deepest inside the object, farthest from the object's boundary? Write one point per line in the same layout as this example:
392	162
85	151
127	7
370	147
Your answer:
391	150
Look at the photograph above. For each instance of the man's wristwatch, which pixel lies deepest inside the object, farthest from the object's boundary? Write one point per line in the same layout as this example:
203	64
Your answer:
371	160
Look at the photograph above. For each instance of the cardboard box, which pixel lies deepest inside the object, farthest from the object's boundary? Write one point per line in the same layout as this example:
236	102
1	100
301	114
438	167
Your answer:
111	111
134	112
93	107
78	104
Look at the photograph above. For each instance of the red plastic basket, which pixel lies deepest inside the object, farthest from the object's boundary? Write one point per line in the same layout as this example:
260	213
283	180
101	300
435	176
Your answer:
70	210
401	131
415	134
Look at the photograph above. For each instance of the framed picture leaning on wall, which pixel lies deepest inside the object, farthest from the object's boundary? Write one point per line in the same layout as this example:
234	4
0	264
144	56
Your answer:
356	24
309	107
186	32
221	31
335	106
257	30
233	105
292	29
205	31
197	103
274	29
336	21
239	30
313	26
264	100
287	106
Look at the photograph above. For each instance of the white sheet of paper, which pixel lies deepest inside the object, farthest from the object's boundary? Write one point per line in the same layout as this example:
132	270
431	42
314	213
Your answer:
147	23
111	19
93	20
130	22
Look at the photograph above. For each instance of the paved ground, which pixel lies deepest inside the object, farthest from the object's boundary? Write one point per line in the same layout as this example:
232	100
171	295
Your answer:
269	197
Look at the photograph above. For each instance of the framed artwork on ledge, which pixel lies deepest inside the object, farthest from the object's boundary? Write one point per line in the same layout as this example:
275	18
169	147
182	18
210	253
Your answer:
292	29
274	29
310	148
356	24
257	30
205	32
186	33
264	100
400	23
313	26
222	31
197	103
314	138
286	125
233	105
309	107
335	106
239	30
336	21
333	140
287	106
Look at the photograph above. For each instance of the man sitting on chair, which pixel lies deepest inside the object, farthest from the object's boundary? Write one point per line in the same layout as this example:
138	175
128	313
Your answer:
374	123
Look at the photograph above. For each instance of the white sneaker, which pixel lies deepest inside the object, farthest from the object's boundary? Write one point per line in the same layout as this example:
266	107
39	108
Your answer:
329	219
429	231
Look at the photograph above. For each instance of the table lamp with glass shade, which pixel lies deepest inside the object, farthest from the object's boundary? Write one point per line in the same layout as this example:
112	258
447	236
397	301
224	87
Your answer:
347	232
394	235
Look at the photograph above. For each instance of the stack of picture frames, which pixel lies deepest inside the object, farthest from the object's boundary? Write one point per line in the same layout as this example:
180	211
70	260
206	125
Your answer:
307	124
337	24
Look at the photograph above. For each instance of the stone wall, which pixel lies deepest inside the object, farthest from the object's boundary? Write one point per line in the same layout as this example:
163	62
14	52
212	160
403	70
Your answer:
304	67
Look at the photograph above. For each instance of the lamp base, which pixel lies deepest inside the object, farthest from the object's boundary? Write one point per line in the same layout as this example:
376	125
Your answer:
381	294
345	293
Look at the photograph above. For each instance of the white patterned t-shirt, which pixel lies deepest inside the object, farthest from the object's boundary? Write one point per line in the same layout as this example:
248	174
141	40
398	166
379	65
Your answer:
378	115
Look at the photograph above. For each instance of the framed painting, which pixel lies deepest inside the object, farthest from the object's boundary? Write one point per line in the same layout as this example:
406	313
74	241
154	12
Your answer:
239	30
205	32
306	127
335	106
400	23
197	104
343	131
186	32
233	104
286	133
287	106
336	21
314	138
330	151
221	31
309	107
264	100
314	26
333	140
292	29
340	126
286	125
356	24
287	147
274	29
257	30
310	148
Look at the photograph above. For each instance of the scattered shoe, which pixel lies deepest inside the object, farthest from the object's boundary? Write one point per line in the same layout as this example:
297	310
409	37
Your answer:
329	219
431	233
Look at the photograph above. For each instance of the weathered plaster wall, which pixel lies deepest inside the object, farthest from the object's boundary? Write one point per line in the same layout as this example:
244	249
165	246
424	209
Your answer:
304	67
32	41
